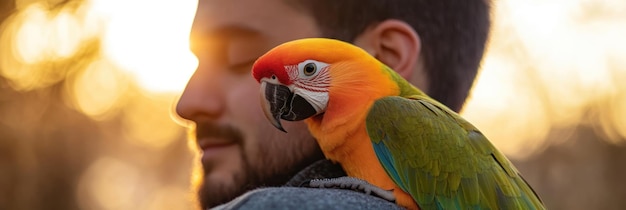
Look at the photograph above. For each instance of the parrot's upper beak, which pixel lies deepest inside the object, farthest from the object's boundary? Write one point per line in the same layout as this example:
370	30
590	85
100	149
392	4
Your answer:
278	102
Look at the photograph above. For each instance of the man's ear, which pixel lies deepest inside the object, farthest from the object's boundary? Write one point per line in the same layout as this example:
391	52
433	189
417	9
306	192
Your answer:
394	43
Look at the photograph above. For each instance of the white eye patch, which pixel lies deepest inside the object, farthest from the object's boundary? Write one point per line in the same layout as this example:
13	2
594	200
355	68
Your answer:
310	68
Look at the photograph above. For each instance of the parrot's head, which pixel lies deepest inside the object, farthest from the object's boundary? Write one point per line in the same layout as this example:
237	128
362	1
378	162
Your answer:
296	77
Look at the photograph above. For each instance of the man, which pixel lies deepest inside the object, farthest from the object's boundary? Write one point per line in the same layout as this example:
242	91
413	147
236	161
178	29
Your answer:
437	45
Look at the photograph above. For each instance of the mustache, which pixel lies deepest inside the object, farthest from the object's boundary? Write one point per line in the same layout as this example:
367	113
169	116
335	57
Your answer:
209	129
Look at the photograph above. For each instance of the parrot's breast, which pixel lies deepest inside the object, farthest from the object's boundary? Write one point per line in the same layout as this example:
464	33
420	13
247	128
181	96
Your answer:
347	143
341	131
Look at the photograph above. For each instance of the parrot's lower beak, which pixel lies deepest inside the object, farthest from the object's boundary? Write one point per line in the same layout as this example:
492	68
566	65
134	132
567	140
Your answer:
278	102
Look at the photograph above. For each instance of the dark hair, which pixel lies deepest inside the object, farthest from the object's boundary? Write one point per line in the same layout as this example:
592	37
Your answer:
453	34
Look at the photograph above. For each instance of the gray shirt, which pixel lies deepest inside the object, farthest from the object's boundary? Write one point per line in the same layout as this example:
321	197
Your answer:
291	196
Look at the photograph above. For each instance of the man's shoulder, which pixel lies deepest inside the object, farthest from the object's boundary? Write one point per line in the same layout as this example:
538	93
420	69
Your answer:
307	198
291	196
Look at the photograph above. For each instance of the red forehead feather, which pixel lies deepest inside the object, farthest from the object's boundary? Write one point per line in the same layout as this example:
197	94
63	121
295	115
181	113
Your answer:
268	65
293	52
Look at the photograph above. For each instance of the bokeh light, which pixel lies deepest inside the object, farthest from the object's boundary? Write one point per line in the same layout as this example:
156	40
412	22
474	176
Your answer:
95	81
148	123
99	89
34	37
548	63
157	50
110	183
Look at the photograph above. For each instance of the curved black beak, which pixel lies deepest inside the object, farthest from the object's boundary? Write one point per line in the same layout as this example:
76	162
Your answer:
278	102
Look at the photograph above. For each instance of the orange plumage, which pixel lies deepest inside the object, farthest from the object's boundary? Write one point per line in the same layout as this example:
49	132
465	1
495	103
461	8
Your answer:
341	131
417	144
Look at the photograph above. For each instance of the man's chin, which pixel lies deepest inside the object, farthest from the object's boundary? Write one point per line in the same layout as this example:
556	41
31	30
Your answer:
214	193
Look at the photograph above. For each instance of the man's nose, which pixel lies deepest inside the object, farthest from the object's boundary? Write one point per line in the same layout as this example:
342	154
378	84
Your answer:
203	97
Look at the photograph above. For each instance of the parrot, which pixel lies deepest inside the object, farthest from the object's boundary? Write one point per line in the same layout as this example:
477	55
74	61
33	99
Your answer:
382	129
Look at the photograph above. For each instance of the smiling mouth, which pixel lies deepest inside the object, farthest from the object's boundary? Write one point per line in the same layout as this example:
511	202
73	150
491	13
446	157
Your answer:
207	146
214	142
212	150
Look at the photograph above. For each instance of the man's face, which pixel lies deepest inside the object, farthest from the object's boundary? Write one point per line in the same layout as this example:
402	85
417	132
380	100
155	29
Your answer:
241	149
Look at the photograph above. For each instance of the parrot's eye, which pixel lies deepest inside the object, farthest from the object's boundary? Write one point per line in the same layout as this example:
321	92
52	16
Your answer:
309	69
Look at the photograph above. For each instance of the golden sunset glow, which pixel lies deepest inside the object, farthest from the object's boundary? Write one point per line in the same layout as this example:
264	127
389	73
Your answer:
150	39
550	64
547	62
117	61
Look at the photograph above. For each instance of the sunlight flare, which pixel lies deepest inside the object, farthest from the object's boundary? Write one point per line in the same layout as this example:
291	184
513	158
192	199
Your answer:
151	40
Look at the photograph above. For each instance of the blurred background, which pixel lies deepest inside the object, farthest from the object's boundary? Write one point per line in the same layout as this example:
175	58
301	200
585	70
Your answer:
88	88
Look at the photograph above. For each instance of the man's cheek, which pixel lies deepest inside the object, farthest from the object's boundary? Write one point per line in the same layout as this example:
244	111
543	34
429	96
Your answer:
247	106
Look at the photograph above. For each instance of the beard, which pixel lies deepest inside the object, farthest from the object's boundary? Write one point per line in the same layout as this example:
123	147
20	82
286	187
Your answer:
265	169
214	193
252	176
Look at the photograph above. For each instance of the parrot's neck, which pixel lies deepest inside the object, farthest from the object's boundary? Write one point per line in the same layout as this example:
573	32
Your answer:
341	131
340	135
341	128
344	139
347	142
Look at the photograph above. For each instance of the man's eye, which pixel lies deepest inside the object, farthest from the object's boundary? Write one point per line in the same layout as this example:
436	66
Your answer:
241	60
243	67
243	51
210	51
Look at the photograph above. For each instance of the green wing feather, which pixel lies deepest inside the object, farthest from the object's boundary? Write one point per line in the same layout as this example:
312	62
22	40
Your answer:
442	160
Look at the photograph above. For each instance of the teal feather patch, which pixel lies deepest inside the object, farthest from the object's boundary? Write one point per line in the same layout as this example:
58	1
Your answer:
386	159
